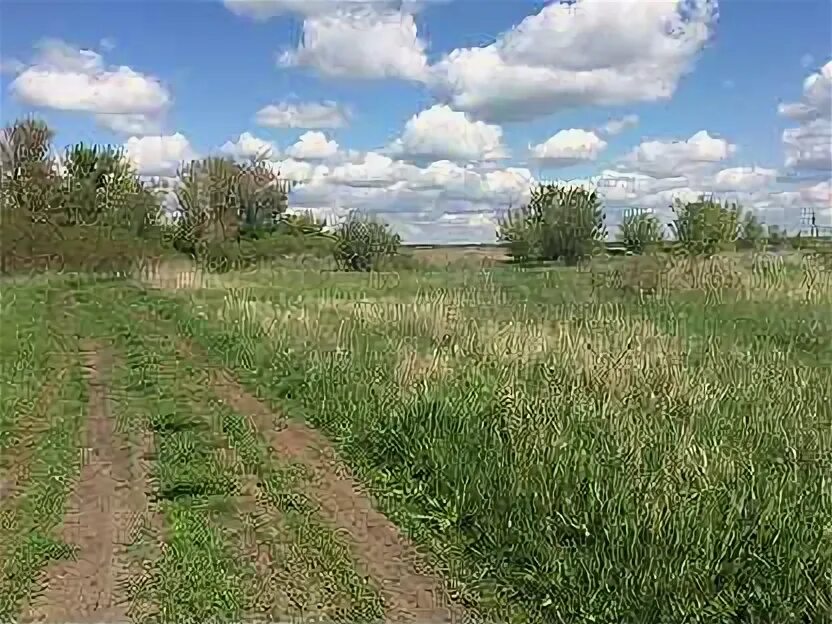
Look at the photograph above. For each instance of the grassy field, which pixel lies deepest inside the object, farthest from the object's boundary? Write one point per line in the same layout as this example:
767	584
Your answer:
623	443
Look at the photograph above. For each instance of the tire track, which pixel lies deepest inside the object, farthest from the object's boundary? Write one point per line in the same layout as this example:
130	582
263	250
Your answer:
105	506
410	595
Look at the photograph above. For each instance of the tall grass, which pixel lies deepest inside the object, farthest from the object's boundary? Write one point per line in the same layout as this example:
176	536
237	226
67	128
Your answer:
597	461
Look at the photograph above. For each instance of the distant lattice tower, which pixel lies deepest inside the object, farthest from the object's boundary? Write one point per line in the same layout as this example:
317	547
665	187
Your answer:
808	222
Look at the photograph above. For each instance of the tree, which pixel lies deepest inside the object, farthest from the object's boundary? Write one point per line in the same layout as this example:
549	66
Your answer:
29	180
559	223
99	183
776	236
640	231
263	196
220	200
363	242
705	227
752	231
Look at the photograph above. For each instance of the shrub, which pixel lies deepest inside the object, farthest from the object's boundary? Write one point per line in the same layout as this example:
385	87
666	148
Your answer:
220	200
752	232
705	227
29	180
98	186
640	232
362	243
776	237
559	223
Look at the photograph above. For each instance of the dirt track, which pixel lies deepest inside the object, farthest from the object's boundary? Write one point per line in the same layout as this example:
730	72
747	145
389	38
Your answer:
103	506
377	545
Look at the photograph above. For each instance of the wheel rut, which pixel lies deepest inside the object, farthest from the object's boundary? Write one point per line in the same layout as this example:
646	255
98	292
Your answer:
105	505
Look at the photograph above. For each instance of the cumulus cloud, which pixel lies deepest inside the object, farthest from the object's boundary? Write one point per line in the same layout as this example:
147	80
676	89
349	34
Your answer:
663	159
441	133
809	146
159	155
300	171
817	97
249	146
318	115
313	145
744	179
373	170
265	9
135	124
569	147
592	52
361	44
617	126
65	78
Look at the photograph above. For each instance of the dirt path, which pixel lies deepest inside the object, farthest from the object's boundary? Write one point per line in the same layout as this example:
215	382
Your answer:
104	505
409	594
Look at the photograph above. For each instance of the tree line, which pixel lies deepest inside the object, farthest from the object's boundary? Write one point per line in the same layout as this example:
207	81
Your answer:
226	213
567	223
230	213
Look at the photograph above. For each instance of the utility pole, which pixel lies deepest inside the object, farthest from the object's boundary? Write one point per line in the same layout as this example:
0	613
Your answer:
809	217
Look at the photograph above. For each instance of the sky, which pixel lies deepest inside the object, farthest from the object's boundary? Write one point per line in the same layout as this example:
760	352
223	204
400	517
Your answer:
437	115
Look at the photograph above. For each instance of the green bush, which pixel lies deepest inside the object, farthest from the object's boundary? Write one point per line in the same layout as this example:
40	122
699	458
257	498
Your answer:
705	227
559	223
640	232
752	232
29	180
363	243
777	238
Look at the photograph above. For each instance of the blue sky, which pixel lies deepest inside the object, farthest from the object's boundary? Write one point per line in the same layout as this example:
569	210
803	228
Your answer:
705	109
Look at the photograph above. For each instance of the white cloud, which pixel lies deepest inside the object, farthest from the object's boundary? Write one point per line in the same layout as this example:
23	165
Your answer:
135	124
744	179
441	133
249	146
595	52
617	126
817	98
64	78
819	195
265	9
159	155
569	147
809	146
373	170
313	145
361	44
663	159
303	115
300	171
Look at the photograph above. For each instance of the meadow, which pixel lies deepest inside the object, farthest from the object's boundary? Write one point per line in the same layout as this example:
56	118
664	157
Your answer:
624	442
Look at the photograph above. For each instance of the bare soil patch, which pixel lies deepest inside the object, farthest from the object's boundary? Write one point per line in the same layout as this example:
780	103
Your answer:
409	593
105	504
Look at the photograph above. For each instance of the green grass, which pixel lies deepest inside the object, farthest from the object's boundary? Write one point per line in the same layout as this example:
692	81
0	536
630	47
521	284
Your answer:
567	454
197	496
40	424
596	458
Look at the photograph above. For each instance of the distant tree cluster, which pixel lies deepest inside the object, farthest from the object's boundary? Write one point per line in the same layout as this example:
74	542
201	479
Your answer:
566	223
227	212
